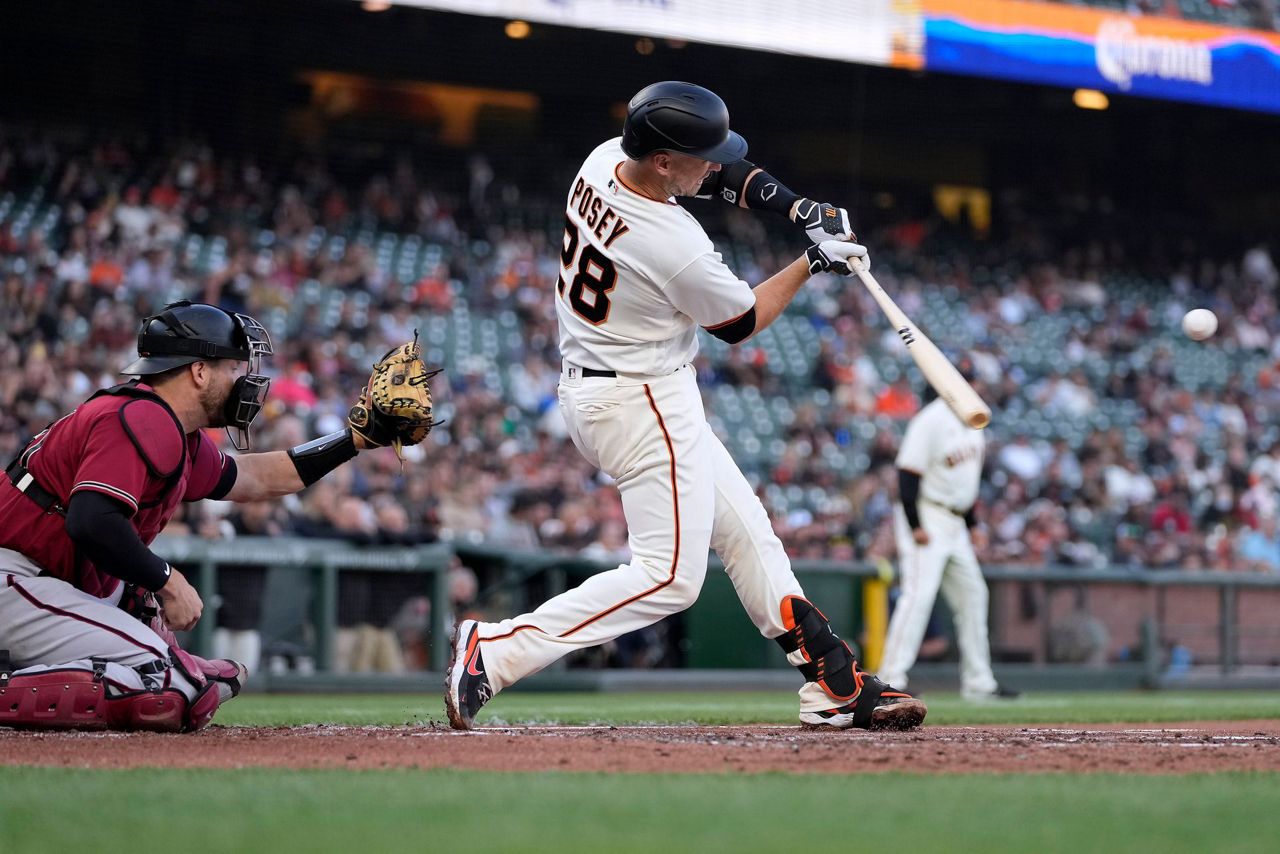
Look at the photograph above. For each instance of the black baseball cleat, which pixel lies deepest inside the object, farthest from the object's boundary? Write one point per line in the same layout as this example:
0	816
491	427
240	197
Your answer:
877	706
466	687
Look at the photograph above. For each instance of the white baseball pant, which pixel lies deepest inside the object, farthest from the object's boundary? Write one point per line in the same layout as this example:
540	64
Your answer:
45	622
682	494
948	563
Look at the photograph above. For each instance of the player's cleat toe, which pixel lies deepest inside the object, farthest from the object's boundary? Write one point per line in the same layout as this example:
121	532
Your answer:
904	712
877	706
466	685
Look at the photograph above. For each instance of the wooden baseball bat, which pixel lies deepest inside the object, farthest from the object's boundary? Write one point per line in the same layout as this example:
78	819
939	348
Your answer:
940	373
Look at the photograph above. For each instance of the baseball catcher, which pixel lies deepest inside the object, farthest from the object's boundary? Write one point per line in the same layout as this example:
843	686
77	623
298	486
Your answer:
87	610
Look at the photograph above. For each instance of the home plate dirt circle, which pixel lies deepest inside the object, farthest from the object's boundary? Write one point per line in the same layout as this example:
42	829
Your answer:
1126	748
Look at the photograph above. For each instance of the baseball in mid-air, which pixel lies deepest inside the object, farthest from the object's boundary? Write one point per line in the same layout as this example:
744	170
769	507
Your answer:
1199	323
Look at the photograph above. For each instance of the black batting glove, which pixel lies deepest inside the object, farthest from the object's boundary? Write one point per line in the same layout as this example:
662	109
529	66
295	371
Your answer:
822	221
832	256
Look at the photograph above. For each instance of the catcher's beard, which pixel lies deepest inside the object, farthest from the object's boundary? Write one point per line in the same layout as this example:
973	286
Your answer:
213	400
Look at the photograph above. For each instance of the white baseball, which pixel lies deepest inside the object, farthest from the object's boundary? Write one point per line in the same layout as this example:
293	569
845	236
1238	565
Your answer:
1199	323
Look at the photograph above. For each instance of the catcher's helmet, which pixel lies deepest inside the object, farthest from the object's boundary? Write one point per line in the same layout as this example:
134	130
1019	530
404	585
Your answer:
683	117
186	332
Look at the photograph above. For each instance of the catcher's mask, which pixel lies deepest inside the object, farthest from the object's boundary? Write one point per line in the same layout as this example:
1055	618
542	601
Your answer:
186	332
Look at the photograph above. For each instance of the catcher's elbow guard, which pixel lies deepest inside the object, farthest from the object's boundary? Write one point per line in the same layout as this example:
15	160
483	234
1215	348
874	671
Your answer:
317	458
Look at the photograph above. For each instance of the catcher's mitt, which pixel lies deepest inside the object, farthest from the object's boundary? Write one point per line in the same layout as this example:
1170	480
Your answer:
395	407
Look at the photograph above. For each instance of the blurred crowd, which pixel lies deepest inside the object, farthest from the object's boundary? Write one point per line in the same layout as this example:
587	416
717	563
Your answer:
97	233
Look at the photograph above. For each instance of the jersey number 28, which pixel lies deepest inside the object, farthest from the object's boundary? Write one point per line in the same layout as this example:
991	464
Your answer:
594	272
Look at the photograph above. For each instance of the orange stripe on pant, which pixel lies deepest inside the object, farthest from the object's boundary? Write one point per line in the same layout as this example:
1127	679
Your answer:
675	556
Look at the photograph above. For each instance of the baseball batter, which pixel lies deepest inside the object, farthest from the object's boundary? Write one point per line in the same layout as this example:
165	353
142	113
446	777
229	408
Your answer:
939	467
639	276
83	640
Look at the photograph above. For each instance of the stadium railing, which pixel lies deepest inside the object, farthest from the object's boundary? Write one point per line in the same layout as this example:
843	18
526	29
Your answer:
1143	601
324	559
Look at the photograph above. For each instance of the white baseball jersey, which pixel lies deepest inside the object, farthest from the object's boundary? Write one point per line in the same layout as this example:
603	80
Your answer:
946	453
638	276
948	456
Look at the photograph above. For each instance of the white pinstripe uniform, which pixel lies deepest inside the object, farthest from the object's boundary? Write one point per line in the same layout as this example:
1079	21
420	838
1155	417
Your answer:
948	456
639	276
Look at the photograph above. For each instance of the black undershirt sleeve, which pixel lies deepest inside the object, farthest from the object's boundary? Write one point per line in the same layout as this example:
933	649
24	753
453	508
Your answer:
737	330
229	474
100	528
909	494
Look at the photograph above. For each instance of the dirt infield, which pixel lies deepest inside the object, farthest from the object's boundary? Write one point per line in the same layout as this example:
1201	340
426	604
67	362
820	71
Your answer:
1128	748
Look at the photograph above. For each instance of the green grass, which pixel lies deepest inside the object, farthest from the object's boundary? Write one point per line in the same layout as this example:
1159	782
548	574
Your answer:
777	707
60	809
47	809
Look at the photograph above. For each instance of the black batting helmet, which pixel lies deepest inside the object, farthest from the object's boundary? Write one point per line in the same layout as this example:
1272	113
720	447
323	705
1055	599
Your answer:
683	117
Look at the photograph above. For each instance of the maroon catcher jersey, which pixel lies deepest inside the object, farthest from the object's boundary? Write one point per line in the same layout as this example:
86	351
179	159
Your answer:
130	448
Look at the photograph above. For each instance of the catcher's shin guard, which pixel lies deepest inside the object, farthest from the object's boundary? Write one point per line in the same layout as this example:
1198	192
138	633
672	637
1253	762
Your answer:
153	711
228	676
165	709
824	657
213	681
84	695
53	699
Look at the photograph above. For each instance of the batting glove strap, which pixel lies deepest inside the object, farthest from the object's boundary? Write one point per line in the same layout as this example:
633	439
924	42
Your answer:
832	256
822	221
818	260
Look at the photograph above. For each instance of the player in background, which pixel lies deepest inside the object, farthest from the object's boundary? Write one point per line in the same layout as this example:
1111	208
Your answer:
639	276
84	499
939	468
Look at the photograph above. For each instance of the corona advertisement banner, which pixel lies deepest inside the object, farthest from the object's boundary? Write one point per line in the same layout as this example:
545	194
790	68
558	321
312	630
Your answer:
1079	47
1034	42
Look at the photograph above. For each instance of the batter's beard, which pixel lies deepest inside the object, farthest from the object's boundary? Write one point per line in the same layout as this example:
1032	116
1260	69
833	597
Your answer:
690	191
675	190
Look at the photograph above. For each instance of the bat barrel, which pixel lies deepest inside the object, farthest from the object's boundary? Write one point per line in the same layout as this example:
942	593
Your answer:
940	373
